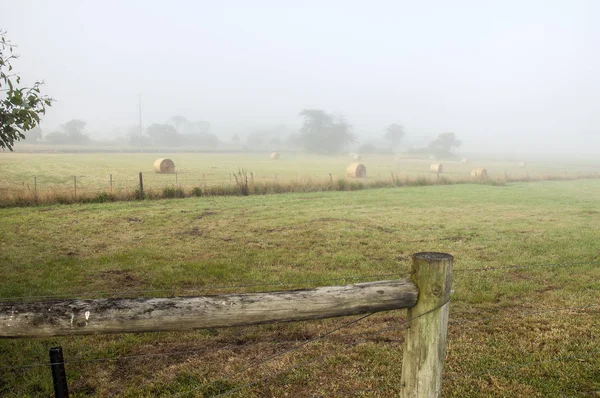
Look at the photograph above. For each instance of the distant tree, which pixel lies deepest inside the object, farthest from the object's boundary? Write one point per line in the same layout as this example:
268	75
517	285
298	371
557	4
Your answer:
321	134
163	134
394	133
178	122
235	138
199	127
136	139
75	130
367	148
20	107
185	127
256	138
202	140
56	137
72	133
74	127
444	144
35	134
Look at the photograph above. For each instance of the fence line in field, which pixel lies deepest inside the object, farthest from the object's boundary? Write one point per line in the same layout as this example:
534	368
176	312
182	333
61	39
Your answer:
304	342
452	375
71	190
404	325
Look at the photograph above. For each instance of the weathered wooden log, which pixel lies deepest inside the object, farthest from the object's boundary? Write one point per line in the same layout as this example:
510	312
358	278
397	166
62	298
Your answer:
425	341
99	316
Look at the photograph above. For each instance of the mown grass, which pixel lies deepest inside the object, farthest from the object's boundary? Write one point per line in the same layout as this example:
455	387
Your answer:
188	246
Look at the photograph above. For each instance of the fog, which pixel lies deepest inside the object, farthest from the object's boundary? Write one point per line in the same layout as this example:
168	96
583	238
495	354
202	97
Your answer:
506	77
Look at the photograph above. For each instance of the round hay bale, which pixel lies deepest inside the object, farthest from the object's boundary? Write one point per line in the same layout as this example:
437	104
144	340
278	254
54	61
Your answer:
479	173
274	155
356	170
523	164
436	167
464	161
164	166
354	156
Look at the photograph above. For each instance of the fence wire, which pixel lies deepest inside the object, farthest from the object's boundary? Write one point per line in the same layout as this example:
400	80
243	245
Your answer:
402	326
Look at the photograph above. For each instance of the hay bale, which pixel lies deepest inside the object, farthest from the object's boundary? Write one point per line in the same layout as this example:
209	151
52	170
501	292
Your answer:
436	167
479	173
356	170
164	166
464	161
274	155
523	164
354	156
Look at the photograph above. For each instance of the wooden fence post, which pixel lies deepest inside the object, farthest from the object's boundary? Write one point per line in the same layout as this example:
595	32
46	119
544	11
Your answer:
75	186
111	184
141	186
425	344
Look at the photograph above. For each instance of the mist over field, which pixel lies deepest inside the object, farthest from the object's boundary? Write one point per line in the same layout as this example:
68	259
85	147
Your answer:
507	77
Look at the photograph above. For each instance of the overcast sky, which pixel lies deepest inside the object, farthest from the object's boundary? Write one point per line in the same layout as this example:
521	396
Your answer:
500	74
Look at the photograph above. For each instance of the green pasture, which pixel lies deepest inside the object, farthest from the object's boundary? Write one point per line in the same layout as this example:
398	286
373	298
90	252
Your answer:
513	332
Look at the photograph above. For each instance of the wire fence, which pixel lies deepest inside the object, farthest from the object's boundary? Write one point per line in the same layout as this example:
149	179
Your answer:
64	189
357	339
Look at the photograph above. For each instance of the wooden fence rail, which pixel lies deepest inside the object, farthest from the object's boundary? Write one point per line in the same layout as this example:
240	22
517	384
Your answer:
79	317
426	294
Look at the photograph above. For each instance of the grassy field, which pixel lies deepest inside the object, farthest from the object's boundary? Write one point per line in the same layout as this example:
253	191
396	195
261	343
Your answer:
54	172
509	333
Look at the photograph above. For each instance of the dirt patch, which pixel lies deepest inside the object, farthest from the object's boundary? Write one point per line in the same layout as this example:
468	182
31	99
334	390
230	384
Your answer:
204	214
278	229
119	277
133	219
196	232
458	238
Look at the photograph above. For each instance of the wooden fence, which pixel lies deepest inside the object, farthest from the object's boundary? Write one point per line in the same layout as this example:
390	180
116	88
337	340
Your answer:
426	296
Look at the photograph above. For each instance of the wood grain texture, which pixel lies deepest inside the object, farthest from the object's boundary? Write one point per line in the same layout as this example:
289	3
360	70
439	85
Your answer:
425	342
99	316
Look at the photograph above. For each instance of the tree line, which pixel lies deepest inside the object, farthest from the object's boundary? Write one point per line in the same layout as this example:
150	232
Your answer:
321	132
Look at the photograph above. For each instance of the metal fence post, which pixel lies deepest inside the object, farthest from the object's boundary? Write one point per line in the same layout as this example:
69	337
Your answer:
59	376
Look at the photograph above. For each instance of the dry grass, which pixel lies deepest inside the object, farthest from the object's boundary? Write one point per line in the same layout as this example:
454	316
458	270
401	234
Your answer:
499	343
